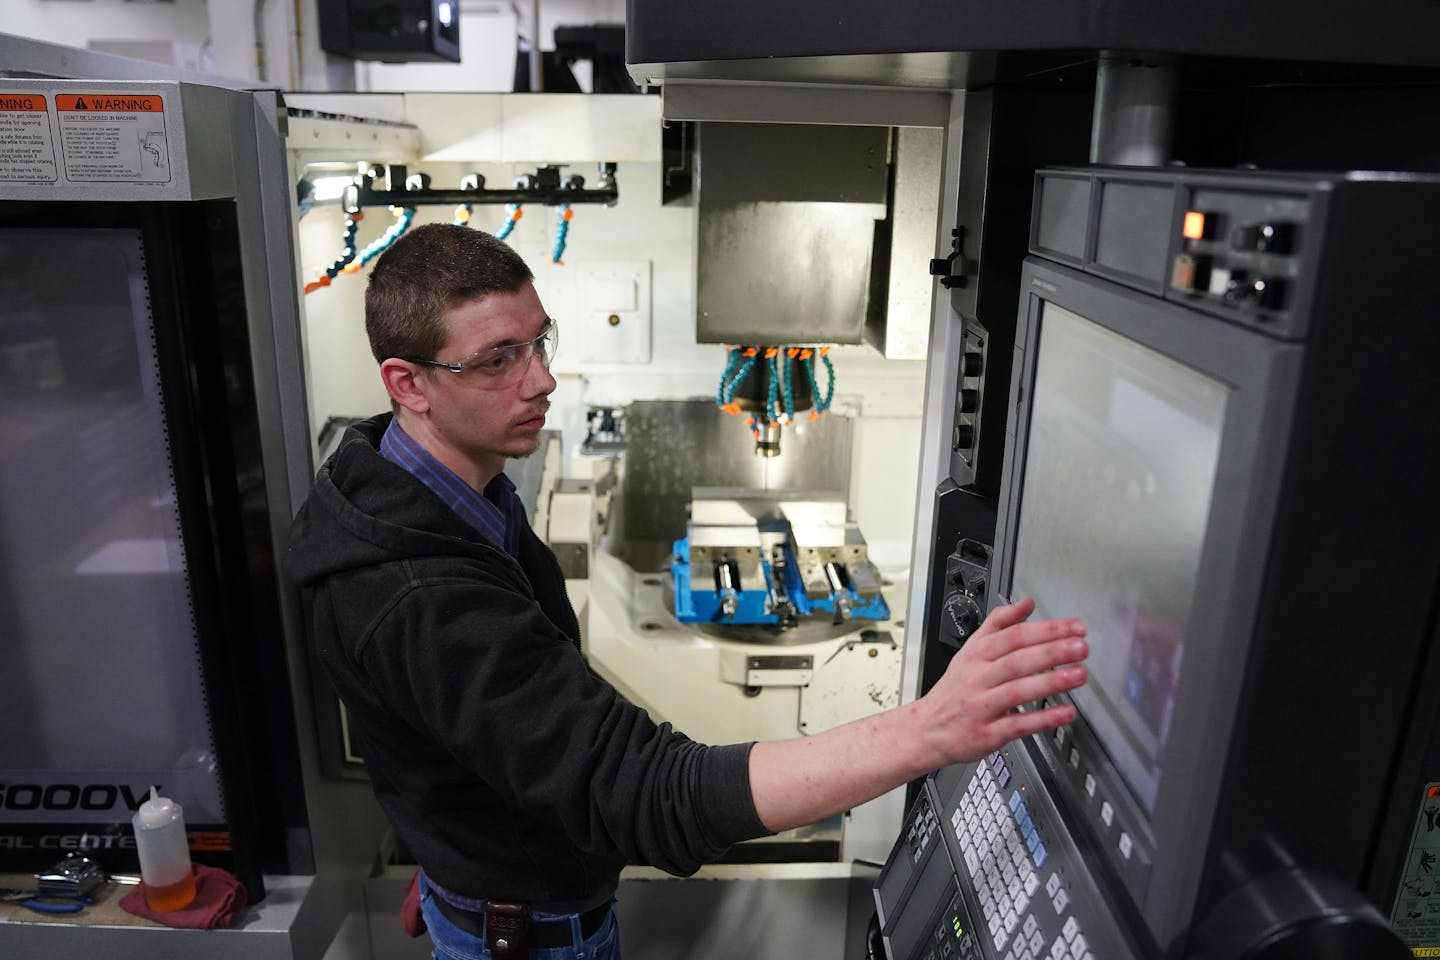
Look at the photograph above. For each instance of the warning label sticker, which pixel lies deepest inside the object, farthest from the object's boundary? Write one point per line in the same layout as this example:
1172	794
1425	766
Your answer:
113	138
1416	914
27	150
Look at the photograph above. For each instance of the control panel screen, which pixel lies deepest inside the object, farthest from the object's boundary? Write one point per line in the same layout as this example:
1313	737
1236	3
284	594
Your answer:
1118	476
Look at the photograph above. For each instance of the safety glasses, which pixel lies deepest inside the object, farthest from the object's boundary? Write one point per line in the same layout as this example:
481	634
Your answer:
505	365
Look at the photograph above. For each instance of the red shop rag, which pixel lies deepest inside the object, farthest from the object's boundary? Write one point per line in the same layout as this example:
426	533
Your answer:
219	899
410	916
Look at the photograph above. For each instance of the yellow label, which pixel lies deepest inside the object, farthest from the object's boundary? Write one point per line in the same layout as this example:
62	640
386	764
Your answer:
1425	951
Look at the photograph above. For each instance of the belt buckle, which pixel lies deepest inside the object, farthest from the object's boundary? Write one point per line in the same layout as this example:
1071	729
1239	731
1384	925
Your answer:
507	929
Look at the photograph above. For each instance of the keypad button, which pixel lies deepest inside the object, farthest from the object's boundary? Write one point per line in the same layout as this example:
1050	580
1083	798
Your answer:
1061	900
1022	903
1078	946
1037	942
1057	949
1090	784
1030	925
1031	882
1042	856
1125	845
1107	813
1052	884
1071	927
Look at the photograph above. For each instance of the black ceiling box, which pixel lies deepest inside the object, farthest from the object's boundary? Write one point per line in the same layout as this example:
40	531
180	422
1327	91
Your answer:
603	44
927	43
395	31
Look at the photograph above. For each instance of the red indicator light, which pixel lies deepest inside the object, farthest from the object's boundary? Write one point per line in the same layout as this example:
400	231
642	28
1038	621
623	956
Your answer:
1194	228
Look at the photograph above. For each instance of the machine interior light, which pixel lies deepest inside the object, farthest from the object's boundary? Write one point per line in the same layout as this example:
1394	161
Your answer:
330	188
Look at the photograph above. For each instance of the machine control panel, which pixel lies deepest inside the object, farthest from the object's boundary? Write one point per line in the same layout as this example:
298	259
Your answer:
922	914
1019	872
969	392
1098	798
1240	251
1243	248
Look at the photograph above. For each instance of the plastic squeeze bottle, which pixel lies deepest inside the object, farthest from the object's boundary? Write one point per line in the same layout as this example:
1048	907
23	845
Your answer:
164	853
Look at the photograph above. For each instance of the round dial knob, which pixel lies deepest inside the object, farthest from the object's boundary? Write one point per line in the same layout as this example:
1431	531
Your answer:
960	616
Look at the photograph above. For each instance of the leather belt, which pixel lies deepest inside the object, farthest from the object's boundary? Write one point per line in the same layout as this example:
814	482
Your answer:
546	934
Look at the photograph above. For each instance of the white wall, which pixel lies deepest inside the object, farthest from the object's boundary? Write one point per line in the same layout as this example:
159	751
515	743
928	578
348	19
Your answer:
75	24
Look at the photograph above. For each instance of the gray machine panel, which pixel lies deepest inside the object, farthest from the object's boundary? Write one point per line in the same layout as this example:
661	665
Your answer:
1166	847
120	140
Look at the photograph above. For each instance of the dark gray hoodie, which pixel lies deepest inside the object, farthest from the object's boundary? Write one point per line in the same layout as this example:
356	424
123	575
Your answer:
510	770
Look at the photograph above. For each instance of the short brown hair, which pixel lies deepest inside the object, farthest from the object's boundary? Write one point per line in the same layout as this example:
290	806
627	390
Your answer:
426	272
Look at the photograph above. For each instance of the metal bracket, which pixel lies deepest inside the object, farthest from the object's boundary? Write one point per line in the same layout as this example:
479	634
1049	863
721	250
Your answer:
954	270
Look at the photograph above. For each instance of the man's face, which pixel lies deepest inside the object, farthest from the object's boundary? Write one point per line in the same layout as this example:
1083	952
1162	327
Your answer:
484	421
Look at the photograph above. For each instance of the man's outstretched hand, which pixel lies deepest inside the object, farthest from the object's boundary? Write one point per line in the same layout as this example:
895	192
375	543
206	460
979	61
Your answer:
1009	661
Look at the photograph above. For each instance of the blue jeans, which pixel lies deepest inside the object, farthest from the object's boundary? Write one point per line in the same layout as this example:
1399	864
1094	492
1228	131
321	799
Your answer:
452	943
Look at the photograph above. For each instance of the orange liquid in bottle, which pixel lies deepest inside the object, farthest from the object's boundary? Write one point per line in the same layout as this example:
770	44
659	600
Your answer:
172	896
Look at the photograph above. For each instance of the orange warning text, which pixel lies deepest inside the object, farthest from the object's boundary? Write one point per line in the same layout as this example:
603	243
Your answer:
22	101
109	103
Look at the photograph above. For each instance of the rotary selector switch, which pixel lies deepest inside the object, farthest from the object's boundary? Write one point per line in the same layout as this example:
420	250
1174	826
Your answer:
960	616
963	608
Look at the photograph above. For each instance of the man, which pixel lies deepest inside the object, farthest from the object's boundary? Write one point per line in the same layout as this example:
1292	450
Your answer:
522	782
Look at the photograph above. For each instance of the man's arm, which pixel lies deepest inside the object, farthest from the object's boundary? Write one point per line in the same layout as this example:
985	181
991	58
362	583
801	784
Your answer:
966	715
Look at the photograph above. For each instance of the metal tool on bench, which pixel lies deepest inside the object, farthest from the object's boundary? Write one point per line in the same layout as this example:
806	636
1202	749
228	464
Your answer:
74	877
45	902
65	887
